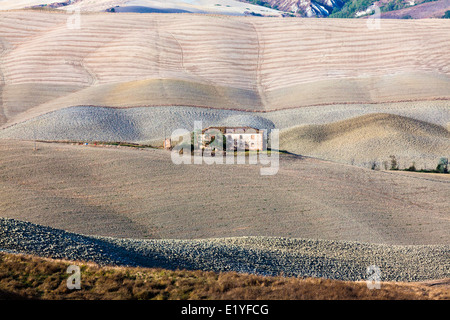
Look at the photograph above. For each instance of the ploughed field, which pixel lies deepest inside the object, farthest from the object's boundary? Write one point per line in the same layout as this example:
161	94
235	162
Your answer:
137	77
130	193
338	90
224	62
128	207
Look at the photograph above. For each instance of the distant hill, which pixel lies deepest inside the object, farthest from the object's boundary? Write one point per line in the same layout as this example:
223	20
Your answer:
425	9
393	9
302	8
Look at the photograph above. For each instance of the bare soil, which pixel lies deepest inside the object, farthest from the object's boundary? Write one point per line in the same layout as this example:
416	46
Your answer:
134	193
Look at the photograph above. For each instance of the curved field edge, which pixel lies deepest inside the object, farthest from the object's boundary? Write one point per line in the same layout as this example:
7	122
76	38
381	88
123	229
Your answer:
32	277
339	260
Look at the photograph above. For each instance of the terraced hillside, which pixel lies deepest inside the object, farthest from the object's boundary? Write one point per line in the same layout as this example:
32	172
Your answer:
254	64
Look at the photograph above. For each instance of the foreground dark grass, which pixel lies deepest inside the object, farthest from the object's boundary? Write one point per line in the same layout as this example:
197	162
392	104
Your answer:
29	277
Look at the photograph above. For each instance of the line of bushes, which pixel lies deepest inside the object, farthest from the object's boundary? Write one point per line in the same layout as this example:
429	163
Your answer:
442	166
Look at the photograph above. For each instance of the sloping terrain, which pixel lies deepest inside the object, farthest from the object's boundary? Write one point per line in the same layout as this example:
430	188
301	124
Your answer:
226	7
392	9
258	255
374	136
433	9
253	64
129	193
352	134
223	7
338	89
20	4
134	125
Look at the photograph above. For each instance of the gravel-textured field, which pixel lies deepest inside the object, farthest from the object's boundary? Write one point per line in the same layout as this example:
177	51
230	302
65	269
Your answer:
260	255
146	124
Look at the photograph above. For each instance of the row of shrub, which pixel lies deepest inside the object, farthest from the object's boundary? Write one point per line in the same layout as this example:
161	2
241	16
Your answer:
442	166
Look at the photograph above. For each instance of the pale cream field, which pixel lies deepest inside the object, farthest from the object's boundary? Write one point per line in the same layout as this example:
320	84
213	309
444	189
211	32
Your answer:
244	63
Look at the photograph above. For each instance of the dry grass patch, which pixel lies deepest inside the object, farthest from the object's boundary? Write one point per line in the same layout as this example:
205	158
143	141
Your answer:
28	277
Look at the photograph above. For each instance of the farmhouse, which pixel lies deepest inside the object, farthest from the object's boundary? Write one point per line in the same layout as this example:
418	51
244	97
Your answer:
167	144
233	138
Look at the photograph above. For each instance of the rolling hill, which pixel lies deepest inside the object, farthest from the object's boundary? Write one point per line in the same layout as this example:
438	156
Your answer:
253	64
391	9
373	136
